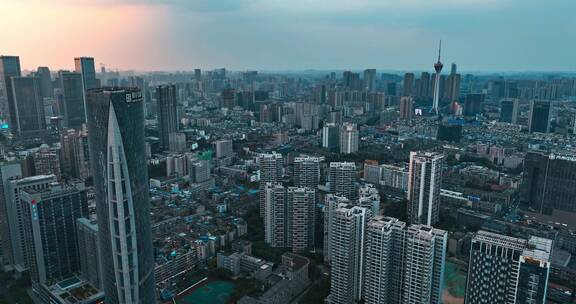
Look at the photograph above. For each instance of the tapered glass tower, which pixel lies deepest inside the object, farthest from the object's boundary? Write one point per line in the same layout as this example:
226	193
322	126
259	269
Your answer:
116	128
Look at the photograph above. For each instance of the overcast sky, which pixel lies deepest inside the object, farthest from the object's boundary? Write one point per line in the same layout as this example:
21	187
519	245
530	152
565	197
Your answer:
479	35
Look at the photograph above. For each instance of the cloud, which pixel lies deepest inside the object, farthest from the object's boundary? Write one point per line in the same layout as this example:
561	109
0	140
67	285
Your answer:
300	34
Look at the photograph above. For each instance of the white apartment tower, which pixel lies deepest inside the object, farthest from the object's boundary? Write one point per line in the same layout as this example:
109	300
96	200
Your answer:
425	254
223	148
403	264
270	172
277	217
349	138
347	254
331	203
385	242
302	202
424	182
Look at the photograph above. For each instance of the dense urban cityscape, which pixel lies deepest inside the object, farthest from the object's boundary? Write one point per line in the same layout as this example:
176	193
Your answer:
219	186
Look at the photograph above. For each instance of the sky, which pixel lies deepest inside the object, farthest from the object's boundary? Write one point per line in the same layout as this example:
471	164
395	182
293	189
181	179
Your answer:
152	35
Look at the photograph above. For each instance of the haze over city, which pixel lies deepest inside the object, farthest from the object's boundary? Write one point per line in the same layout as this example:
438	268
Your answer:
480	35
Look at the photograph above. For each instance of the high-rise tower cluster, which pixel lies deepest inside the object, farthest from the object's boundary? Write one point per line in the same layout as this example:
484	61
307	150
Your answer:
384	260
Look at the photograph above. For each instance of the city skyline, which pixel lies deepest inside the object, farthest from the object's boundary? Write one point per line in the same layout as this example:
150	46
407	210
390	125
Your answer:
302	35
274	151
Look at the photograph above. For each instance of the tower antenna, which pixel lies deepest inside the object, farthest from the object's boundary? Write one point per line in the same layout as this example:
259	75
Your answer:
439	50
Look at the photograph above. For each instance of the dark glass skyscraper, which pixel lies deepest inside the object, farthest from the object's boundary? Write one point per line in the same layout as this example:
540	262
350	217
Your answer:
46	88
73	104
85	66
51	233
7	172
116	128
549	182
539	119
473	104
9	67
167	115
509	110
28	115
507	270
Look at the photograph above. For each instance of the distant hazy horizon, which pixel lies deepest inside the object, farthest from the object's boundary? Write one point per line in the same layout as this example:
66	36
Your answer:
274	35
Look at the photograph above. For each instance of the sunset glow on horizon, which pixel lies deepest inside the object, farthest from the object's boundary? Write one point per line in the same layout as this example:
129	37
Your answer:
169	35
54	33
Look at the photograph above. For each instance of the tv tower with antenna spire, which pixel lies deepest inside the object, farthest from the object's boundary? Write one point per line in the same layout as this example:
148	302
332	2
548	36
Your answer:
438	67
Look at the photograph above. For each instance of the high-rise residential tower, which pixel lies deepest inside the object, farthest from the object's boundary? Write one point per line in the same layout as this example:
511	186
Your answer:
424	257
85	66
167	114
370	80
425	85
349	138
72	145
331	202
507	270
509	110
224	148
385	246
347	254
277	216
199	170
453	84
271	171
116	128
307	171
331	137
424	182
342	179
408	84
302	202
406	107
